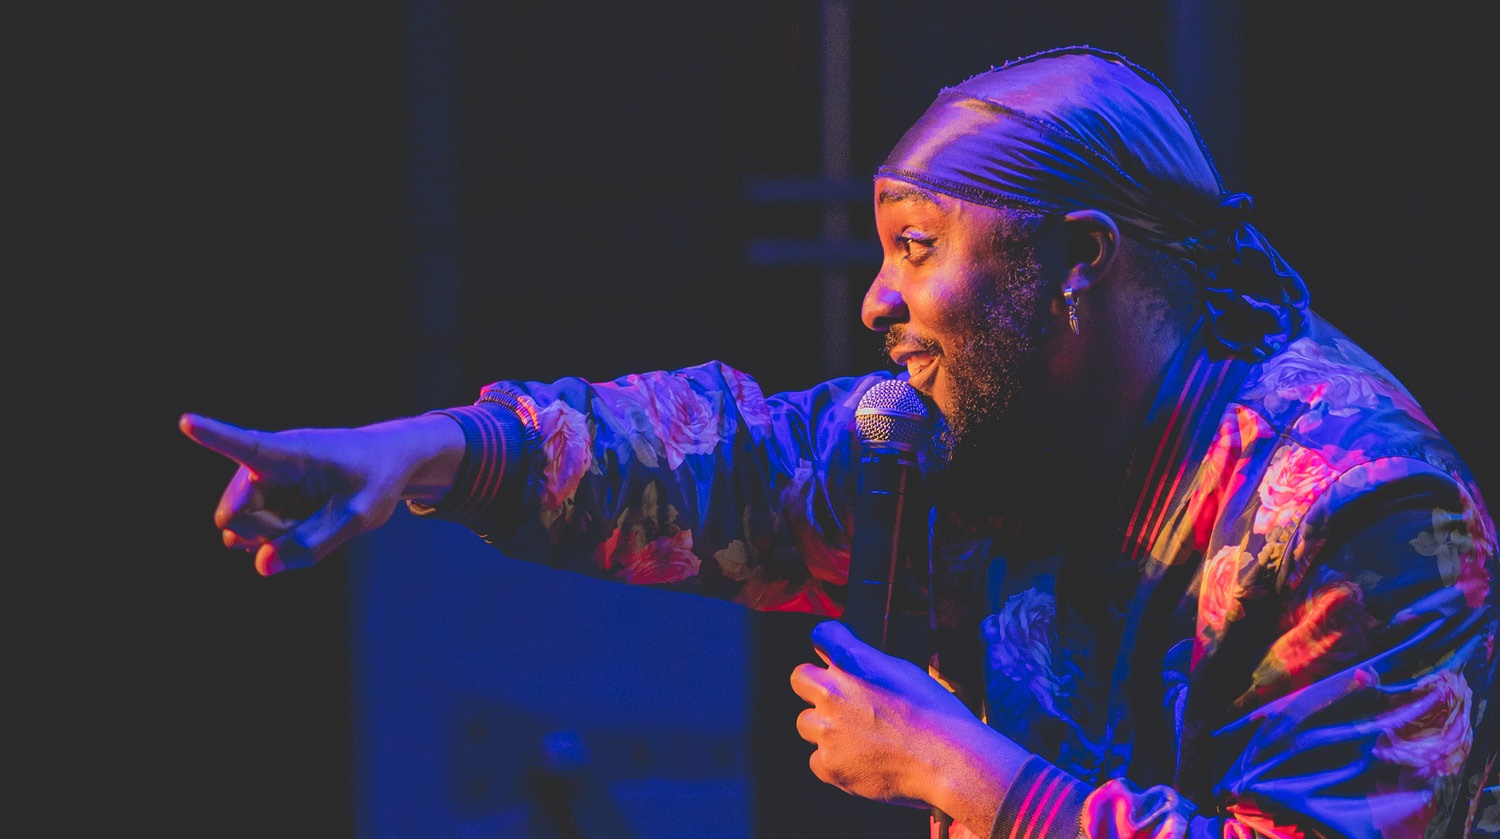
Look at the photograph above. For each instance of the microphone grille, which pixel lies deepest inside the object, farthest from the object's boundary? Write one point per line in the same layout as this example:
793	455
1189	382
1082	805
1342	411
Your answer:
892	414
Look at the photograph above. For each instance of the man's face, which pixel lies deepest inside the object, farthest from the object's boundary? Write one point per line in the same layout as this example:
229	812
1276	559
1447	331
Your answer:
963	309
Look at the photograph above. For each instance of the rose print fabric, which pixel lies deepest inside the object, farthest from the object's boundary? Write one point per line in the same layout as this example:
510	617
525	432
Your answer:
1287	628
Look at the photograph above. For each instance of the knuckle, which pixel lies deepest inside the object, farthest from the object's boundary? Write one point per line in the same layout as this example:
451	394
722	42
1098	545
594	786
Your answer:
808	725
799	675
819	768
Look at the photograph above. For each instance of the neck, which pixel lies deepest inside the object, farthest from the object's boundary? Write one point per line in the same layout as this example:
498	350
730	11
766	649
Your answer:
1118	369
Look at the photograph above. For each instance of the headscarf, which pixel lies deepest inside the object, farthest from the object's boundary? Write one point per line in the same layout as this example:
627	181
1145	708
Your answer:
1082	128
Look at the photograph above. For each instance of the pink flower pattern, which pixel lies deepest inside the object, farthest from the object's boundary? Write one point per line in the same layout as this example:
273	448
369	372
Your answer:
751	404
1223	472
648	545
824	549
666	560
1430	732
1327	631
567	445
1309	373
1219	596
661	416
1296	478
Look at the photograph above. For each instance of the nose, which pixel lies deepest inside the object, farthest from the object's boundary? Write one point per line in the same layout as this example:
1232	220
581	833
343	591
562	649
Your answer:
883	304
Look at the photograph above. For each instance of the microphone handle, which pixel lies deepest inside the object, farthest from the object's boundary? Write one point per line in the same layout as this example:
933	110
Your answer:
879	505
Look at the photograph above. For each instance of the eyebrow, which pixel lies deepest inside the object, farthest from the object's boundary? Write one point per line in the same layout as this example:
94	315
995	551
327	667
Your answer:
888	196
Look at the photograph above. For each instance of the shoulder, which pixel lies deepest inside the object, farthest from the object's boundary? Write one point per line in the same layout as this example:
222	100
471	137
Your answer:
1324	393
1341	445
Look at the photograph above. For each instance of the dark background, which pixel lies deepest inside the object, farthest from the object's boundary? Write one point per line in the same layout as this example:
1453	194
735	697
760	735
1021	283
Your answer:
316	213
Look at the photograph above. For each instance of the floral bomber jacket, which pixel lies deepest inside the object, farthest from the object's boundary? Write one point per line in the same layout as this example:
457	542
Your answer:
1296	638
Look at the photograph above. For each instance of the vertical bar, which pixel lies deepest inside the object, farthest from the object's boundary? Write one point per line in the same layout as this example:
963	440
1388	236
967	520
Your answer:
1205	59
836	99
432	375
432	229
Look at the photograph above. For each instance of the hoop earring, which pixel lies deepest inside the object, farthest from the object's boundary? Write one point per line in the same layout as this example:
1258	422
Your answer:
1070	298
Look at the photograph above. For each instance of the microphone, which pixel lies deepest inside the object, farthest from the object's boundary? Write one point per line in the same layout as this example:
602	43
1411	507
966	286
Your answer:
892	423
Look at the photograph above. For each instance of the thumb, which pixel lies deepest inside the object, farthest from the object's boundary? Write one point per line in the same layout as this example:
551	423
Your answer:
840	647
322	533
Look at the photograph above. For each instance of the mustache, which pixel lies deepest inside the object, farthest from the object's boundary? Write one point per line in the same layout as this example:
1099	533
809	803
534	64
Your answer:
898	335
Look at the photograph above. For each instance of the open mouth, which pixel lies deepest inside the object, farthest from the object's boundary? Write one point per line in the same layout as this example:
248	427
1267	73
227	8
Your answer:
920	369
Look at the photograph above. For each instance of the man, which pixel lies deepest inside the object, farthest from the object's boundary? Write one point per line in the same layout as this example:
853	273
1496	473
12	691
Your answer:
1198	563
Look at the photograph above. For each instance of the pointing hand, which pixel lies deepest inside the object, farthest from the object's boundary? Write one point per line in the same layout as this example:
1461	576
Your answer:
299	494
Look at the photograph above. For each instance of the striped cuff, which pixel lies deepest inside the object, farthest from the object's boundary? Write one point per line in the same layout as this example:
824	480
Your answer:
1042	801
489	492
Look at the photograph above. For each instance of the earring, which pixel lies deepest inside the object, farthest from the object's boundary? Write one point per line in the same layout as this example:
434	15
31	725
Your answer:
1071	299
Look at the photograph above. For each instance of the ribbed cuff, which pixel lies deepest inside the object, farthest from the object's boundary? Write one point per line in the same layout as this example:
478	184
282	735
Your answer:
1043	801
489	490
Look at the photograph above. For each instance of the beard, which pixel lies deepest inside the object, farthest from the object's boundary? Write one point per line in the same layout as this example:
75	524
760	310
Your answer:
989	449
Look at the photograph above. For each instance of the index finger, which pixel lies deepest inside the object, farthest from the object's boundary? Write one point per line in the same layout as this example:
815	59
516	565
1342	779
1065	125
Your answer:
237	444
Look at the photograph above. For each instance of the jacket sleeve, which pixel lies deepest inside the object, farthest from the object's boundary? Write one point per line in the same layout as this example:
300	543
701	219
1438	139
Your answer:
1368	713
689	479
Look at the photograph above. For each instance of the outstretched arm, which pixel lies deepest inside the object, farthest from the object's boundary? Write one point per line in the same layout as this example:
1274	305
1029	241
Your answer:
688	478
297	495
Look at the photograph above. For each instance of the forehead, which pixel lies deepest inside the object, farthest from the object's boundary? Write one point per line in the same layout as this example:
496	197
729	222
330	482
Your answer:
899	202
889	191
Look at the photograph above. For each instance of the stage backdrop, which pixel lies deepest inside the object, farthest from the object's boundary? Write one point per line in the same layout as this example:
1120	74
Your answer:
323	213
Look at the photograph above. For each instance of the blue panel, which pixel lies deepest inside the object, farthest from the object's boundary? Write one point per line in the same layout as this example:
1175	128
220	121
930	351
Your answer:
490	692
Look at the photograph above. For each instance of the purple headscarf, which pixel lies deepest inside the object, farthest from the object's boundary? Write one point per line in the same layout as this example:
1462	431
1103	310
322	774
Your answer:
1082	128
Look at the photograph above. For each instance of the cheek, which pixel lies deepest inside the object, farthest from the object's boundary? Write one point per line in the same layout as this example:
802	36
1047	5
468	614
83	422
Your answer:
944	306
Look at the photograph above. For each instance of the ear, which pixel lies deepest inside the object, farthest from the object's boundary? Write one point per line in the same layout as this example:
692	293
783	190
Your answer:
1093	240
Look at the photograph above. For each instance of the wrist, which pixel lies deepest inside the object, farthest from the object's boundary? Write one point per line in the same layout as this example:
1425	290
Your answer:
431	448
972	782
